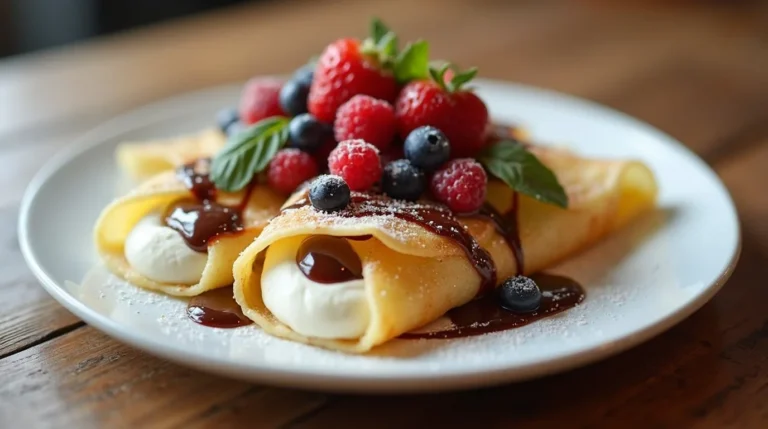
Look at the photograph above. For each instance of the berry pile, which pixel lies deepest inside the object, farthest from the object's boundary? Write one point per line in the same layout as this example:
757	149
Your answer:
375	118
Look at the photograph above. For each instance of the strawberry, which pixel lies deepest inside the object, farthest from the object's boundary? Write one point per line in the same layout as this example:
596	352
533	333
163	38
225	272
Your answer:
374	67
458	113
344	71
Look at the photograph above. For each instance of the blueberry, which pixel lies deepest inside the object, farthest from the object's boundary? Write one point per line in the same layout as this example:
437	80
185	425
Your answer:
403	180
307	133
293	97
520	295
329	193
305	74
226	118
235	128
427	148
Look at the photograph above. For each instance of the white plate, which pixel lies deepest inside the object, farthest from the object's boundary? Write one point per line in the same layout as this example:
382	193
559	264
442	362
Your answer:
639	282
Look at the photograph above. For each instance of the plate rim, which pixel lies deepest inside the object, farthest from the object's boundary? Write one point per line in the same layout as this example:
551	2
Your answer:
371	382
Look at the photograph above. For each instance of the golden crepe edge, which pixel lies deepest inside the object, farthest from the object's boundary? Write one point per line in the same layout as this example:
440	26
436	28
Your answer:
413	276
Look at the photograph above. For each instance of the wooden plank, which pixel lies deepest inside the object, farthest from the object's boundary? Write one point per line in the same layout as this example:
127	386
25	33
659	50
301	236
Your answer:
84	379
27	314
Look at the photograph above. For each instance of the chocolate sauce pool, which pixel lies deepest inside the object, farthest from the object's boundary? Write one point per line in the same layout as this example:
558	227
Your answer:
328	259
485	315
217	308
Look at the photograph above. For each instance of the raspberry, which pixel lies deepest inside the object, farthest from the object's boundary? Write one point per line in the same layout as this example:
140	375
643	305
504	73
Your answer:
260	100
461	185
357	162
290	168
367	118
342	72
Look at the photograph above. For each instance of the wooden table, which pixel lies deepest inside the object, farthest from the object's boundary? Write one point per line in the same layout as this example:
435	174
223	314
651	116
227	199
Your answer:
698	72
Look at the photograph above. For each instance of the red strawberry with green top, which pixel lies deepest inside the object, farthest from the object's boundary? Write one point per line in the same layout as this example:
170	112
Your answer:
372	67
458	113
342	72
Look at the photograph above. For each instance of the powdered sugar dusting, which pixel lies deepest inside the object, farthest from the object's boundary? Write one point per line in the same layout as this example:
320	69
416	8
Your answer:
164	319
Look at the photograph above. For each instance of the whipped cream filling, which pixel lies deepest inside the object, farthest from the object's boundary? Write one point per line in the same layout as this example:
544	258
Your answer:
338	310
160	253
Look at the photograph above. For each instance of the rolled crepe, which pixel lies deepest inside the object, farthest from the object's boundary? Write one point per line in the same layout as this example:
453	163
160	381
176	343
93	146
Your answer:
141	160
156	195
413	276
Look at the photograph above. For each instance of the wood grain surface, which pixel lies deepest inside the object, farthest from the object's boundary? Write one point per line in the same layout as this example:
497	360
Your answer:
697	70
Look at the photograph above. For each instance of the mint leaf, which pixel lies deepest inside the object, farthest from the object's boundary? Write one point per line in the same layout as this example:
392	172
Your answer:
378	30
387	45
413	62
520	169
460	78
247	153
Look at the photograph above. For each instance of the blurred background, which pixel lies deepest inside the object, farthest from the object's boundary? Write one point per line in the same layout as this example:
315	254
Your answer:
28	25
62	60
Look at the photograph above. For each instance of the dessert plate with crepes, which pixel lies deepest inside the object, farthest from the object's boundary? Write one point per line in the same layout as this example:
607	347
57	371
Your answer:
422	260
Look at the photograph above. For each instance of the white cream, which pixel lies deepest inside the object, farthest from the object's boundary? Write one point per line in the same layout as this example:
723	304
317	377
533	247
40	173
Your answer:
313	309
160	253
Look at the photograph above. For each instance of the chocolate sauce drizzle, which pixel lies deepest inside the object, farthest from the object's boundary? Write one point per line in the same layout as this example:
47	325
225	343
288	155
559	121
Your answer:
485	315
199	184
217	308
507	226
201	220
435	218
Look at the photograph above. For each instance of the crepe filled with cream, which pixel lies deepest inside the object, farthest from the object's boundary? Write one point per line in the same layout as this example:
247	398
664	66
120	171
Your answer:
409	275
134	238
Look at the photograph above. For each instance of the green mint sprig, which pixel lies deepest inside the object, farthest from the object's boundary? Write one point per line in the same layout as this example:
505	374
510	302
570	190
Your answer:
248	152
411	63
522	171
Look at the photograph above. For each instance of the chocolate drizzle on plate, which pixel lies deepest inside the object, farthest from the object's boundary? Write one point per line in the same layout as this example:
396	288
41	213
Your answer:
203	219
217	308
485	315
